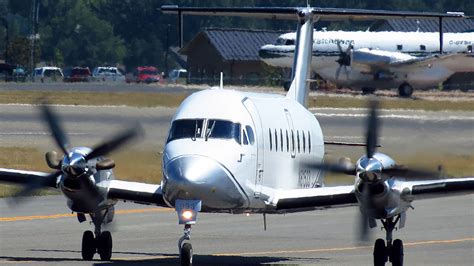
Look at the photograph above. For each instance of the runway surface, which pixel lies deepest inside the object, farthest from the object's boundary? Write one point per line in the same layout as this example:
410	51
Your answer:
402	131
41	232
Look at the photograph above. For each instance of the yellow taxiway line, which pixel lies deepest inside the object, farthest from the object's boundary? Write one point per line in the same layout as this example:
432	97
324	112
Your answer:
67	215
429	242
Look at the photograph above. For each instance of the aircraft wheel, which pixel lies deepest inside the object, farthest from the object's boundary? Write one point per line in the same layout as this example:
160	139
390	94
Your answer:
368	90
186	255
380	253
88	245
405	90
396	254
104	245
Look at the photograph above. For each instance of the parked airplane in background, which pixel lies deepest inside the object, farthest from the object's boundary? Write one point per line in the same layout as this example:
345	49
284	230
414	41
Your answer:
244	153
370	60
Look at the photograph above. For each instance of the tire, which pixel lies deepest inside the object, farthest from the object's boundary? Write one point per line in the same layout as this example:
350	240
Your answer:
380	252
368	90
405	90
88	245
104	245
396	254
186	255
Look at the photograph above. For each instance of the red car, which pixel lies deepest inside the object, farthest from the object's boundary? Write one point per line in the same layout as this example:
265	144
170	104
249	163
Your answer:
79	74
147	74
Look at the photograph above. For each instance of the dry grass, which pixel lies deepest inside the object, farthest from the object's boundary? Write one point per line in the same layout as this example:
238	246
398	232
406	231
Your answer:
152	99
136	99
132	165
145	166
397	103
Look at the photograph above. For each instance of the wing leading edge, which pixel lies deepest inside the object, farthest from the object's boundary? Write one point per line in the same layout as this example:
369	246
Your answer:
137	192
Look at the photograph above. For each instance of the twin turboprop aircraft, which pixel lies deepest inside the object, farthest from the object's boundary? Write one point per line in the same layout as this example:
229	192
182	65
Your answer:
370	60
238	152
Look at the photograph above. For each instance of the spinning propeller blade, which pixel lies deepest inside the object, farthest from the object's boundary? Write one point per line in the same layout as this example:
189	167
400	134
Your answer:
56	129
117	141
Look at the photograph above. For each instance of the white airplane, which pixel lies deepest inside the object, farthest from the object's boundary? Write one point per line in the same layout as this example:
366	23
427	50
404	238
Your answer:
238	152
370	60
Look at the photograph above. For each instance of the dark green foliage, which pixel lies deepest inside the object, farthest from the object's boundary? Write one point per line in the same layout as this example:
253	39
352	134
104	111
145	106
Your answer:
133	33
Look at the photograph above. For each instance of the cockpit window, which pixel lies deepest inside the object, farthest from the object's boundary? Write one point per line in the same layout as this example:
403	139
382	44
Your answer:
186	128
220	129
250	134
290	42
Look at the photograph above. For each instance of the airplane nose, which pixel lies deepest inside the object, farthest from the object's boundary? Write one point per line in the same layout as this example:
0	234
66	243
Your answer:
201	178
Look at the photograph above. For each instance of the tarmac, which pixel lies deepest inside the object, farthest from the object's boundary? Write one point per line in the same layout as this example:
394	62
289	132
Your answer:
42	232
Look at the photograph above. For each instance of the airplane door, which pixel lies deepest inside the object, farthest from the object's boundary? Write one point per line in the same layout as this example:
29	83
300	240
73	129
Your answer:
257	124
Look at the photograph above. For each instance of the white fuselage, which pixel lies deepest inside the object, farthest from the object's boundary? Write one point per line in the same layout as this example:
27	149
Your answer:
272	136
384	48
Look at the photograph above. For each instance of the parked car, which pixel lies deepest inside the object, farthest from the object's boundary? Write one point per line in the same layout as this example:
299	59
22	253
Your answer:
48	74
147	74
78	74
19	74
107	74
178	76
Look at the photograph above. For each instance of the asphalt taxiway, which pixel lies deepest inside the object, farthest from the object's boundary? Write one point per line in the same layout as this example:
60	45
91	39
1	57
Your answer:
42	232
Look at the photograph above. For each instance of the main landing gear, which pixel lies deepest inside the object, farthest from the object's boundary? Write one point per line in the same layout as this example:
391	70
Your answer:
185	248
97	242
393	251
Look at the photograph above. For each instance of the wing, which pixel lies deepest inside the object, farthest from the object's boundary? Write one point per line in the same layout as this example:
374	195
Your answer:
439	188
134	191
21	177
307	199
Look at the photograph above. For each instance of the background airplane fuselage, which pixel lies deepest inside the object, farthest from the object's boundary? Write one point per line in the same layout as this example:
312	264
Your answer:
229	176
394	46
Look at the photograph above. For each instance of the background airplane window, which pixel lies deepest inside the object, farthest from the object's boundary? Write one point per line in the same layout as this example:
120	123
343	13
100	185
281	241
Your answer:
186	128
220	129
270	137
250	134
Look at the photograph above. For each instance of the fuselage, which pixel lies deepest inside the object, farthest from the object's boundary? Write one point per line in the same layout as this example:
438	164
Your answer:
330	46
234	150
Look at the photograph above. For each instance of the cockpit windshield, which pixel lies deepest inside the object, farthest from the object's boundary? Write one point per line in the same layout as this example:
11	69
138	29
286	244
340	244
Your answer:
220	129
186	128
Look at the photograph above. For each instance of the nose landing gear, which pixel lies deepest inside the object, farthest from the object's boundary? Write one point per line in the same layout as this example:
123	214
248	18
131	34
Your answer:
392	251
185	248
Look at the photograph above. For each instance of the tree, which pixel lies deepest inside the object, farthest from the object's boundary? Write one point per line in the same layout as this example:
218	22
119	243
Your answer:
19	50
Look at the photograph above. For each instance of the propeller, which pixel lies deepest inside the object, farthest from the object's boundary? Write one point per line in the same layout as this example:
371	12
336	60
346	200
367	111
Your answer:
74	165
372	171
344	60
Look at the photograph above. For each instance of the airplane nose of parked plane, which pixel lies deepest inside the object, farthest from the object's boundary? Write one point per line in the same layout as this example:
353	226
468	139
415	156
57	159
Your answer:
201	178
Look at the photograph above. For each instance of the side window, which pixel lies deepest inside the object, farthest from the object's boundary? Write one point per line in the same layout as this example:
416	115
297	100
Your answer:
287	142
298	140
244	138
276	140
309	142
304	142
281	139
250	135
292	142
270	137
399	47
422	47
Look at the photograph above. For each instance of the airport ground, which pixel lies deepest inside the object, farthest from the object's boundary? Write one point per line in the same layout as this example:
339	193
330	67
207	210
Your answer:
148	236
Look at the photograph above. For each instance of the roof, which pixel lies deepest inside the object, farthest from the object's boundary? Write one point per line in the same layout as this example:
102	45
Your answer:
235	44
425	25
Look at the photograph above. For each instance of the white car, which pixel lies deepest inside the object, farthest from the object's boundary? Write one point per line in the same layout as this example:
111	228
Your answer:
107	74
48	74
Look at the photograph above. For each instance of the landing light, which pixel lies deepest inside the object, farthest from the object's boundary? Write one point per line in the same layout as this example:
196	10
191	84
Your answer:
187	214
